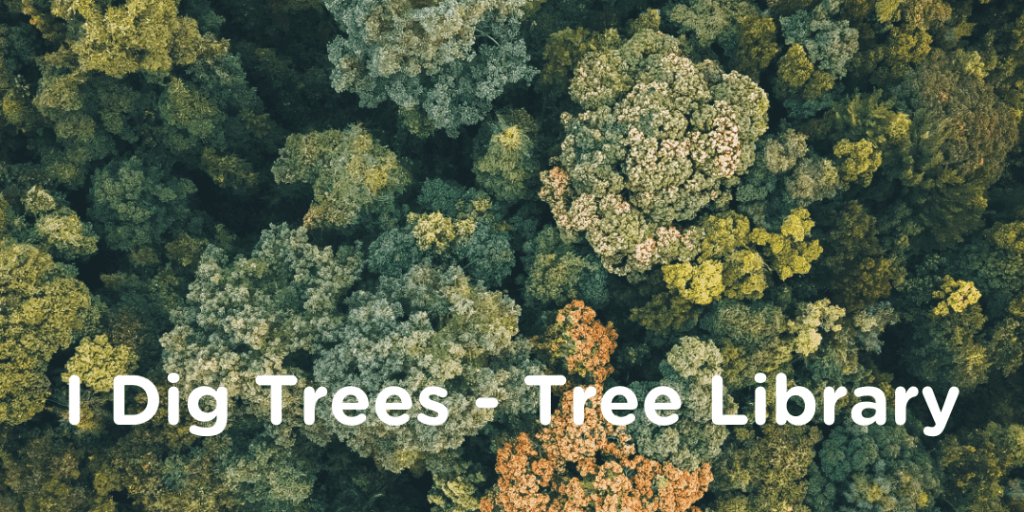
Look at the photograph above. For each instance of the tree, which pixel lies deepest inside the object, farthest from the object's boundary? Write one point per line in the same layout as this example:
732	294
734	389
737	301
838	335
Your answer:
507	164
49	224
561	272
786	175
747	484
694	439
140	35
97	362
42	306
353	176
426	57
460	227
843	355
136	204
949	345
566	466
872	119
260	315
860	272
879	468
798	77
579	344
828	44
976	464
788	253
961	134
757	46
164	468
715	21
696	147
43	470
428	327
762	336
564	50
727	265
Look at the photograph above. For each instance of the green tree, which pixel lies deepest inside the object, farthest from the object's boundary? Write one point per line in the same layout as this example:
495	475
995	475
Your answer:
860	272
353	176
50	224
949	343
564	50
788	253
561	272
260	315
716	21
829	44
42	306
976	464
139	35
961	133
757	45
428	327
881	468
43	470
508	164
97	362
460	226
135	203
671	159
688	368
746	483
427	57
762	336
786	175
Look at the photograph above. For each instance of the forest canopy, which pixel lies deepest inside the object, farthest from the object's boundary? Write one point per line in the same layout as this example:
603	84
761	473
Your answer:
634	194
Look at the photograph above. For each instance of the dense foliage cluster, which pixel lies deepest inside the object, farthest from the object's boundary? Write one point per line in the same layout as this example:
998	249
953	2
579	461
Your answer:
461	193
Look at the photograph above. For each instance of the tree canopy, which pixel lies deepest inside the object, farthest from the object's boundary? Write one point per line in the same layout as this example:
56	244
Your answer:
637	195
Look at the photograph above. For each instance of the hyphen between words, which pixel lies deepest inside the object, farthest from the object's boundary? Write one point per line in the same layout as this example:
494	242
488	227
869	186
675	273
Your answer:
615	403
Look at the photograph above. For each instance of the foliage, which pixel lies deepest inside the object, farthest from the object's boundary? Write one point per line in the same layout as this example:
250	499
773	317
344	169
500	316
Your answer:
878	469
714	21
97	362
757	46
696	149
509	166
244	317
136	204
579	343
140	35
42	306
829	44
688	369
222	190
860	271
50	224
594	464
788	253
962	133
352	175
428	327
464	228
428	58
976	463
44	472
566	48
745	486
534	472
561	272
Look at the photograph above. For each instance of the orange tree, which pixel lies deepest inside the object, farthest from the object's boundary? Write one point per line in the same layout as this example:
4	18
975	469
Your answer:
593	466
